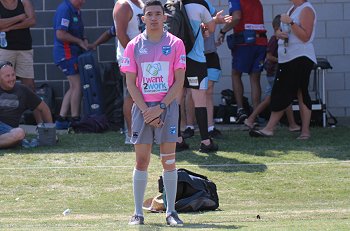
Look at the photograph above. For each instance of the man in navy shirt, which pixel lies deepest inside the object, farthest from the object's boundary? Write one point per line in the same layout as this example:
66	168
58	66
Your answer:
69	42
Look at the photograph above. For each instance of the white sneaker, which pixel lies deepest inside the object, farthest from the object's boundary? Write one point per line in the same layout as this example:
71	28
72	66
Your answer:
127	139
174	220
137	220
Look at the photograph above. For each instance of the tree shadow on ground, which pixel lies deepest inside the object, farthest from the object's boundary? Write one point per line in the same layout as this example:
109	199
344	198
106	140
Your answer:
191	226
324	143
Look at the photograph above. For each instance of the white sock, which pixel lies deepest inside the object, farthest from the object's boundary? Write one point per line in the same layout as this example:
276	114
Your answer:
170	186
139	188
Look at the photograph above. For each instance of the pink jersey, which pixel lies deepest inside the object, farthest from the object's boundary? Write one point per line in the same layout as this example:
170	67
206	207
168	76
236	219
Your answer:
154	64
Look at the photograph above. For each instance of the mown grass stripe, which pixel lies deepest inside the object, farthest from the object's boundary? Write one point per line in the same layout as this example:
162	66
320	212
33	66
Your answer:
185	165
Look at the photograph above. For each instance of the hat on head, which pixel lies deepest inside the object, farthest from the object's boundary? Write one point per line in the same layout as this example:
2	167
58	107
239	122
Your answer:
155	204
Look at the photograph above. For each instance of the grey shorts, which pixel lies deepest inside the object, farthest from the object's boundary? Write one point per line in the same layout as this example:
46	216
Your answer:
143	133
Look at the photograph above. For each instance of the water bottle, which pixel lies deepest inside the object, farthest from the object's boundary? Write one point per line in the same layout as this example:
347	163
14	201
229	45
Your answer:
3	41
286	28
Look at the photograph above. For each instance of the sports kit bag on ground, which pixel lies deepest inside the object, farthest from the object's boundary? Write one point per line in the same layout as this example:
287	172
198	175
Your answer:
195	192
91	83
226	112
91	124
178	24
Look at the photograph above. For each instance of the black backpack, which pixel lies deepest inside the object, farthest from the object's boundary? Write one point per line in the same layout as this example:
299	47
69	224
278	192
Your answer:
91	124
178	24
194	192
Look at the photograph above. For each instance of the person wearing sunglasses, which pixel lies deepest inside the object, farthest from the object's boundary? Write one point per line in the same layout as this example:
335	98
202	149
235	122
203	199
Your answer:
15	98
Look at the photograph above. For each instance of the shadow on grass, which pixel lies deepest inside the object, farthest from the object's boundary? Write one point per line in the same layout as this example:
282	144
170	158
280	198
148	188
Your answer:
188	226
216	161
108	142
325	143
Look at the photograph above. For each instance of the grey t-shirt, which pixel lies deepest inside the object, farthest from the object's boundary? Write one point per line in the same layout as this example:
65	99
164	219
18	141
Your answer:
14	102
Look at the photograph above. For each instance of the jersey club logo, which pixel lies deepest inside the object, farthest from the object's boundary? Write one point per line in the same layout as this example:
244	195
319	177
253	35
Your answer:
166	50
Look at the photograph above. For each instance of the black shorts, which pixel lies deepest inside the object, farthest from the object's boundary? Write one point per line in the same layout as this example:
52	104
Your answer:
213	60
196	73
291	77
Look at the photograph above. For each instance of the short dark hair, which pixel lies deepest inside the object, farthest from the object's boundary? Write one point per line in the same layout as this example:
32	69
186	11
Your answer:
153	3
276	22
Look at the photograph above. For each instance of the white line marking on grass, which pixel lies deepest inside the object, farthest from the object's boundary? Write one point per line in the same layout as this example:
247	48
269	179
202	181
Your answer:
184	165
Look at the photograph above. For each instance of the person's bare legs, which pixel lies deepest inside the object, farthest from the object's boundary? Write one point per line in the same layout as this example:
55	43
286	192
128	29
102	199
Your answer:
255	88
237	87
271	124
292	125
168	160
75	95
65	103
127	105
183	112
72	98
28	82
12	138
260	108
143	156
305	114
210	104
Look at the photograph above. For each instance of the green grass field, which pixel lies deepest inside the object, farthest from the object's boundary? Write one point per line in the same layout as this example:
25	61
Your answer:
290	184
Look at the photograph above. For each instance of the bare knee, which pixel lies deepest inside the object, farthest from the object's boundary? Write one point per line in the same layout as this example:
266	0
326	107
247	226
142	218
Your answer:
17	134
199	98
142	164
168	161
12	138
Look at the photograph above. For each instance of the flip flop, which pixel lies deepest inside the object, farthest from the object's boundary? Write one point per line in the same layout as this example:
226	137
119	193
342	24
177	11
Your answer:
295	130
251	126
303	137
258	133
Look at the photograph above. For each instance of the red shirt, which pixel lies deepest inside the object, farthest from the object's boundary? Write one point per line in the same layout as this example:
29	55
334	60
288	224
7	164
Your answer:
252	18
